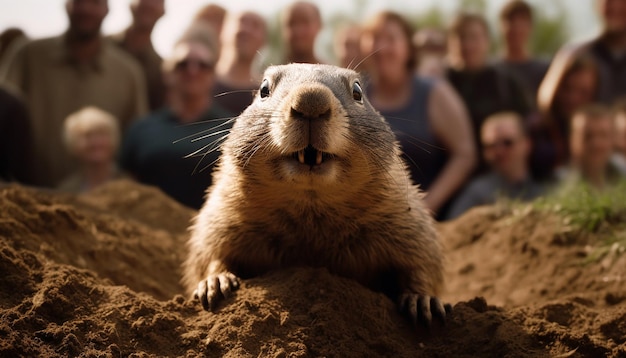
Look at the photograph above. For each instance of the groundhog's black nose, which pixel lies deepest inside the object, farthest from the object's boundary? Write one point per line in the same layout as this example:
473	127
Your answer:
311	103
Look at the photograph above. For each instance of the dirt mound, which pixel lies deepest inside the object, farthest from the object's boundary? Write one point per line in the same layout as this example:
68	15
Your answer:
517	258
98	276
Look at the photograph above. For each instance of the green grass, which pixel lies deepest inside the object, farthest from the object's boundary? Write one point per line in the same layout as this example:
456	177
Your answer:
587	208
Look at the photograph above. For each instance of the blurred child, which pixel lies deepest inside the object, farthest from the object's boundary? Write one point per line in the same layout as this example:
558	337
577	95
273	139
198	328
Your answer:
92	136
592	142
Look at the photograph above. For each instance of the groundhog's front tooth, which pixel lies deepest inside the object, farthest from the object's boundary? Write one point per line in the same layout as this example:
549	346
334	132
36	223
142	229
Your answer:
301	156
318	158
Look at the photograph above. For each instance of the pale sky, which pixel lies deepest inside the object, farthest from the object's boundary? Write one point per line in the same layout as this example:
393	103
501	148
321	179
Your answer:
42	18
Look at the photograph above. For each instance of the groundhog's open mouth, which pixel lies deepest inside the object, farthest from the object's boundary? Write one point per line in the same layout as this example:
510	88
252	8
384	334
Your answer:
311	156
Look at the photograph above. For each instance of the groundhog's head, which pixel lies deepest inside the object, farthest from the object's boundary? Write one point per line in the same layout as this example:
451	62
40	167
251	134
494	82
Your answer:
311	127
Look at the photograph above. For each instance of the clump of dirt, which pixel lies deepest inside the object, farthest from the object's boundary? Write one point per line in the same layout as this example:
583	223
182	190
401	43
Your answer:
98	275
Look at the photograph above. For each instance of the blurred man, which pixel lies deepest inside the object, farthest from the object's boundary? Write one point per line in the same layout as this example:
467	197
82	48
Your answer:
506	149
484	87
136	40
592	142
62	74
432	48
15	138
516	25
10	38
347	46
244	34
176	147
213	15
300	24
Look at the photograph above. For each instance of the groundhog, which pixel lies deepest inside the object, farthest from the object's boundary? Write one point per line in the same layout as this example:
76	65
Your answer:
311	175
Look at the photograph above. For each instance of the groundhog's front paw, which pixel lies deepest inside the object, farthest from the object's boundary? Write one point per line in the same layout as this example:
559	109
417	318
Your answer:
214	288
422	309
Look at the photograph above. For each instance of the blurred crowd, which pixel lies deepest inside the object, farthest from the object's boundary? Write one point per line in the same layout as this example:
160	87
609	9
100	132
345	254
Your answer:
80	109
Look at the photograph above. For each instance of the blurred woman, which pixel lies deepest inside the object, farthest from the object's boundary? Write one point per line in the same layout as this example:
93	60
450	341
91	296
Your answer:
92	136
426	115
485	88
155	148
570	84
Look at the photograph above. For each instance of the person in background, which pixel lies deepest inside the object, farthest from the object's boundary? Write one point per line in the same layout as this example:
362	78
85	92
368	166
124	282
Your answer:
426	115
592	142
15	139
608	50
10	39
571	83
213	15
300	23
175	147
432	48
516	25
92	136
347	46
136	40
620	128
618	159
243	36
485	88
506	148
59	75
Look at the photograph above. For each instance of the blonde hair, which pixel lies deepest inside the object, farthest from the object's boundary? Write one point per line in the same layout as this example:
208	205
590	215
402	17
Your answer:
86	119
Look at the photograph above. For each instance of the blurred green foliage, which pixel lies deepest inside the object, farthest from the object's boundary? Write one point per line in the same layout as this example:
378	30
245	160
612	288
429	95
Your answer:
588	208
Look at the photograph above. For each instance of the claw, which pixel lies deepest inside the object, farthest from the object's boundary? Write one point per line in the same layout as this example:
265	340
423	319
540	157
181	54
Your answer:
215	288
438	309
425	317
421	309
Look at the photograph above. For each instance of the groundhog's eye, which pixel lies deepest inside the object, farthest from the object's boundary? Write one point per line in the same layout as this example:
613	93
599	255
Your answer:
357	92
264	90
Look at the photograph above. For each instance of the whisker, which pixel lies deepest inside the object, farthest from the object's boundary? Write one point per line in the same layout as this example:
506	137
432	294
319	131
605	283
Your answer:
261	142
251	91
208	121
214	146
350	63
367	57
206	166
211	135
206	130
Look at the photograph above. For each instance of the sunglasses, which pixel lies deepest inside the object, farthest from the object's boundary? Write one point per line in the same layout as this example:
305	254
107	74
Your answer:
505	143
189	63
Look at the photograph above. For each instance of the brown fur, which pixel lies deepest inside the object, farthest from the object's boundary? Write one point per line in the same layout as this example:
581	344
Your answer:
359	217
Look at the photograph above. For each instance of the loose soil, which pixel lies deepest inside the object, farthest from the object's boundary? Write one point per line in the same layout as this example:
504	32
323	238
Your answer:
98	275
